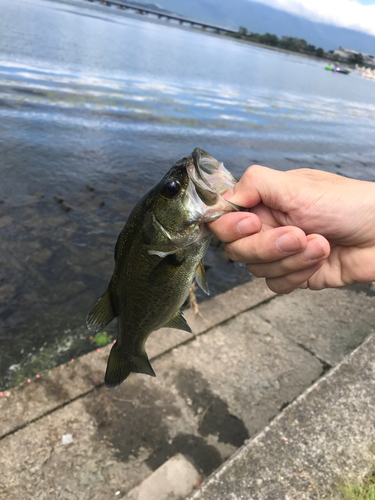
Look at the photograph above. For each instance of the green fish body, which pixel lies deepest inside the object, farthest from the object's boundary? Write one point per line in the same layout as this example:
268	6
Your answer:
157	255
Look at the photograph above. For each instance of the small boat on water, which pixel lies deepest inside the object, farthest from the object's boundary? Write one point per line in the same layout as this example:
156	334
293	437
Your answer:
337	69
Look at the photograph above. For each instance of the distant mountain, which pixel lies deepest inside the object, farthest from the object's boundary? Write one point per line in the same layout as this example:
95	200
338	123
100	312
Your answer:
261	18
151	6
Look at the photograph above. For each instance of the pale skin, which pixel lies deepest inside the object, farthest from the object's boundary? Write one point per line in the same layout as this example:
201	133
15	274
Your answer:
305	228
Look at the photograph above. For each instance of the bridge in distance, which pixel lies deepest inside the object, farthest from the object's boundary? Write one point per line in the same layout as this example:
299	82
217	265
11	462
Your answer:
164	15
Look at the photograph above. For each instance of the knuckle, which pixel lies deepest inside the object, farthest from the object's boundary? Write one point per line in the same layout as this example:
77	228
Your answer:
252	171
254	253
249	171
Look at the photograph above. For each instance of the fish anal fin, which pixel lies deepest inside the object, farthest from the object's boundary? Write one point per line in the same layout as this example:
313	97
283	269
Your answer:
101	314
120	366
179	322
200	277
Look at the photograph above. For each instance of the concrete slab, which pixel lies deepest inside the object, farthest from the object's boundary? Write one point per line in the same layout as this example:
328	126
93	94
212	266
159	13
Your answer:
246	364
328	433
342	319
35	465
209	396
29	401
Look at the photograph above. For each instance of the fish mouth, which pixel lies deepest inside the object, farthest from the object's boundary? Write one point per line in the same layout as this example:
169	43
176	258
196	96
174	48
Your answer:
212	172
209	180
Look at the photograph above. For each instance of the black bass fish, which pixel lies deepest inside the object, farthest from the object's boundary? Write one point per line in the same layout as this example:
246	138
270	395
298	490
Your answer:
157	255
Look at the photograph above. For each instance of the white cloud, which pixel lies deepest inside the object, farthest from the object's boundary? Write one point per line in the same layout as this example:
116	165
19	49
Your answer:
345	13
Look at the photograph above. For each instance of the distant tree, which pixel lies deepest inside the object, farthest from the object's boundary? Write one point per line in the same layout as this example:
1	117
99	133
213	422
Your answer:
300	44
289	43
243	31
356	59
269	39
286	42
254	37
294	44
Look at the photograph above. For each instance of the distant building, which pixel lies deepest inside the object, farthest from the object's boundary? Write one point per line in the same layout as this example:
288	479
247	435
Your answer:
369	59
341	54
344	54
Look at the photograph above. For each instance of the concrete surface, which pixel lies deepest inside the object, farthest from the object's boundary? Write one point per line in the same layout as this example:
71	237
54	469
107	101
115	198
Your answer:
325	436
341	321
175	479
253	354
28	402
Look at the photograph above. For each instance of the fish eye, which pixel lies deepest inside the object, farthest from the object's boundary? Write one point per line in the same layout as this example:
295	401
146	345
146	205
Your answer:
171	188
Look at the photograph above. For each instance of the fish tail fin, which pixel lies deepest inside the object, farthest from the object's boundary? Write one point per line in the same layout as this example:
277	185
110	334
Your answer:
120	366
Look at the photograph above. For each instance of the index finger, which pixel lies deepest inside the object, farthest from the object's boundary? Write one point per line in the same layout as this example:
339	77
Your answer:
231	227
267	246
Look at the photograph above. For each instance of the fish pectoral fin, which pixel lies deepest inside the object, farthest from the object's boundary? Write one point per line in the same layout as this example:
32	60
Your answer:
179	322
165	267
162	254
120	366
200	278
101	314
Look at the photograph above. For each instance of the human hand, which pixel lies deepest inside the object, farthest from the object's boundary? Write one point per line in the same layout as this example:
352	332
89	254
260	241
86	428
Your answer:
305	228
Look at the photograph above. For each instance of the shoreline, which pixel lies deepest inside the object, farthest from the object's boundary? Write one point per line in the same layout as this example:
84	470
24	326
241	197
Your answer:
67	337
144	17
68	233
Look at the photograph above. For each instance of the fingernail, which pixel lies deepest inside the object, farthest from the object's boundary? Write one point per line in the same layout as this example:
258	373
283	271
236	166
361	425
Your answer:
228	194
313	251
288	242
245	226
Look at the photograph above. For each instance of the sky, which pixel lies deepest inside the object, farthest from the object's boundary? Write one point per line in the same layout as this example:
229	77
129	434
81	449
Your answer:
353	14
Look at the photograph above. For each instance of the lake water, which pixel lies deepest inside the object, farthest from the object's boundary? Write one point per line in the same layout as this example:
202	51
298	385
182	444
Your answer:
90	95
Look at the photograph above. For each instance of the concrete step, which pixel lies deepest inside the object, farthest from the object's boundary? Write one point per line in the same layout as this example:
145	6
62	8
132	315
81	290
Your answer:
324	437
253	355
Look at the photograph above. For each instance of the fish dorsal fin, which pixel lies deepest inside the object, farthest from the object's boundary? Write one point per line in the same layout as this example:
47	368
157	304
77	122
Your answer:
200	278
179	322
120	366
101	314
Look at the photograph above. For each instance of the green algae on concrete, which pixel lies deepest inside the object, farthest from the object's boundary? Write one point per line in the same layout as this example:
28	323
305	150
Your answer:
358	489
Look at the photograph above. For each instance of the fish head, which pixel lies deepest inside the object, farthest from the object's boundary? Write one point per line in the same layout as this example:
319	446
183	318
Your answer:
190	195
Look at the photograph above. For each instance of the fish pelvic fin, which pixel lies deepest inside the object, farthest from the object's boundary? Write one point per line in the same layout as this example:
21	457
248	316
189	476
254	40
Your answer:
200	278
179	322
120	366
101	314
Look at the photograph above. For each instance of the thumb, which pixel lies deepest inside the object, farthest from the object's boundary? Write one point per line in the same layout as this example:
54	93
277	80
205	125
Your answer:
260	184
